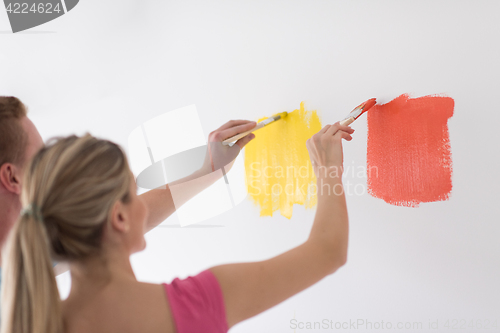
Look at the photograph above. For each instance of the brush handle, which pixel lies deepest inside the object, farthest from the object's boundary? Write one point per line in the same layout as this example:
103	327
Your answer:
240	135
347	122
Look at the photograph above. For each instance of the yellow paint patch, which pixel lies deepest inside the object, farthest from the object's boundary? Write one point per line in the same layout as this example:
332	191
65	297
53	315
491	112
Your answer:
278	169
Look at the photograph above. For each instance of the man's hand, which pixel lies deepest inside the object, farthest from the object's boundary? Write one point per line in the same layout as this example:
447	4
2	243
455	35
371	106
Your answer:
219	155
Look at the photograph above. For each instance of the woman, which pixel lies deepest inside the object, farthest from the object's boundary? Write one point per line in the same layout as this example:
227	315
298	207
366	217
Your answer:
81	207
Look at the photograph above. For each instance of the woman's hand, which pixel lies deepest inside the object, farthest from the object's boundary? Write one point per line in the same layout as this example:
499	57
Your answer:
219	155
325	149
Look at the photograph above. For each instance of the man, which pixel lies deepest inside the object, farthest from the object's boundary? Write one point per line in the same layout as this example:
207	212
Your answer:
20	141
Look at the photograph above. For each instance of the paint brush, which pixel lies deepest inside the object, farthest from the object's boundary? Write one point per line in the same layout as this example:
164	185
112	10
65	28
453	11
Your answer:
259	125
358	111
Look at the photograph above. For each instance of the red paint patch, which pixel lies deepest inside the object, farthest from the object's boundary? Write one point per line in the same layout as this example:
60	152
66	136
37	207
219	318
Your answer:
408	152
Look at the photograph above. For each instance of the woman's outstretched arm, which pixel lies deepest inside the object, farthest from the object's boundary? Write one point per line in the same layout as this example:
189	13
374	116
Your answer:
251	288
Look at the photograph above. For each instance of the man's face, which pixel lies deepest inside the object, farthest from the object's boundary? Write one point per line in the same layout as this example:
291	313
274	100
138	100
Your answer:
35	142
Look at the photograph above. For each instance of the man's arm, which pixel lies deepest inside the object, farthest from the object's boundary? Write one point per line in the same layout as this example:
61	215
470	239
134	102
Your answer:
162	202
60	268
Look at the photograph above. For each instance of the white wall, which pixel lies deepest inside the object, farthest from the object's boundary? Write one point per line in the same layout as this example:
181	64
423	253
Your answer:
106	67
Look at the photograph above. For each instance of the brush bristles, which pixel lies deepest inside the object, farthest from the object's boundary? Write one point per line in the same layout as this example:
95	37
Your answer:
279	115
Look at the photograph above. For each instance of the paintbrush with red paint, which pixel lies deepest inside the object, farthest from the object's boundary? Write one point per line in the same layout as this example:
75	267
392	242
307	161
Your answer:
358	111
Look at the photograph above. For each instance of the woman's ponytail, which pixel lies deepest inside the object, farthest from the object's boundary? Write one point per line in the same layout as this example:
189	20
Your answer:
30	298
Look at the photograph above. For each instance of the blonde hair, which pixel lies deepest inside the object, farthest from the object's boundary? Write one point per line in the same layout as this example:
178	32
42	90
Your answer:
71	185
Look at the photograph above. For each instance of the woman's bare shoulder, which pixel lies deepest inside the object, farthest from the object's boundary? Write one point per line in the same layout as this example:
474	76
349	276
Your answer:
126	306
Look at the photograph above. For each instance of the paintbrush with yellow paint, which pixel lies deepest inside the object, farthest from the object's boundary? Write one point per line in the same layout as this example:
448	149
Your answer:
263	123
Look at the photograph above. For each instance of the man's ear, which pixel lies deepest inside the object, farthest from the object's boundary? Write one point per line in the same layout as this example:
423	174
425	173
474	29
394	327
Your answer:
119	221
10	178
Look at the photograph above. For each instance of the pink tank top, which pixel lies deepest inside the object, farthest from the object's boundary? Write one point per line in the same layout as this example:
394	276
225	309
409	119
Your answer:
197	304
